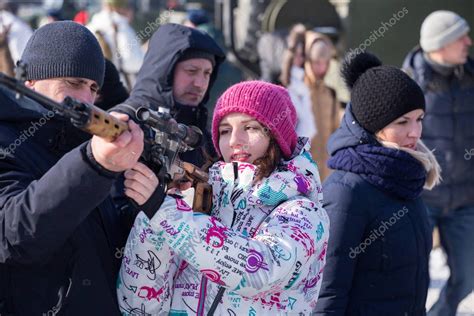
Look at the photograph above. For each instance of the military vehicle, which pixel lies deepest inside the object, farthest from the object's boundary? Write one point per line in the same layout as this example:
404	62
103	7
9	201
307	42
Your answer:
350	23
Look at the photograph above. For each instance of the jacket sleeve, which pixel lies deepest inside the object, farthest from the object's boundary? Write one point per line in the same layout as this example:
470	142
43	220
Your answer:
347	231
285	244
37	216
146	275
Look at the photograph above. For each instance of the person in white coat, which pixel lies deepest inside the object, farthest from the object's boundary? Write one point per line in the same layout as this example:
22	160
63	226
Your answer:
18	31
292	77
119	41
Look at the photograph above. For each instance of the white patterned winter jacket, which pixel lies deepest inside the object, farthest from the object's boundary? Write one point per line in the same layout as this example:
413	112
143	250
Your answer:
265	245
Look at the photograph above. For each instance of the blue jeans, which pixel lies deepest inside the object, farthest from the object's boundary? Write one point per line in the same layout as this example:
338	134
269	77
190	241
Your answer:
457	239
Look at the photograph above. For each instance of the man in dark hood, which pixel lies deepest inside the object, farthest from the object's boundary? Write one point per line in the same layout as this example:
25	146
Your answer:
178	72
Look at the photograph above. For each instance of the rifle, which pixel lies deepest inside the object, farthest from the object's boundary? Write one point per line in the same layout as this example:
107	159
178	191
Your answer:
179	138
164	137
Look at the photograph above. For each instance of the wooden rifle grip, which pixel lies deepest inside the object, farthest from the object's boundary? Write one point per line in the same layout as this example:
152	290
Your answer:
202	198
104	125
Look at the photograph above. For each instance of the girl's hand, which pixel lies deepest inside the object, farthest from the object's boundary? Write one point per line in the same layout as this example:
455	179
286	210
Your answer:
140	183
179	186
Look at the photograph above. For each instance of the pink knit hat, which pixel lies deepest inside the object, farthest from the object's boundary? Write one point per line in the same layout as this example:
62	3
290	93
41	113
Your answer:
267	103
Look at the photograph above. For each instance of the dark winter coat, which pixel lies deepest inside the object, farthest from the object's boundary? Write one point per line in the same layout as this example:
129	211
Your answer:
60	236
448	129
380	240
154	85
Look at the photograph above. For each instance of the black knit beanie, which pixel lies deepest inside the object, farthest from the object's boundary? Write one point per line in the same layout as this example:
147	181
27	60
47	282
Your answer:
192	53
379	94
63	49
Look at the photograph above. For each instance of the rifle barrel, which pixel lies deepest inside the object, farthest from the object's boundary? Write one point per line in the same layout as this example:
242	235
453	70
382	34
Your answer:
20	88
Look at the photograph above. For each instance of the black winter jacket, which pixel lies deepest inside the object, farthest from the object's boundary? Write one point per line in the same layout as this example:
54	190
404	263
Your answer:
60	236
448	128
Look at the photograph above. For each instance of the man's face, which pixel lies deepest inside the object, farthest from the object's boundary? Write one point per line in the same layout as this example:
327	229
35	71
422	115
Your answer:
81	89
191	80
456	53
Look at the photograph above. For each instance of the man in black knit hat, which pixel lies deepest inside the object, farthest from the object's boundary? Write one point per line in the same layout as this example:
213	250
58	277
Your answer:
60	234
57	66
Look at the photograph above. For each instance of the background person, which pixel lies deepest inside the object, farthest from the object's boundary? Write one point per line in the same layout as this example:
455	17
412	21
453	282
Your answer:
325	107
14	34
119	41
445	72
292	77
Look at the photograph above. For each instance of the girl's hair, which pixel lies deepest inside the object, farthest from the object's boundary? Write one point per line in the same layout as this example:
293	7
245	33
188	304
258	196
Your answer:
269	161
295	38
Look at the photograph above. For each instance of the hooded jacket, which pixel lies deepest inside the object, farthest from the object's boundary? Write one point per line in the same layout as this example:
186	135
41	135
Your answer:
154	85
265	244
447	128
378	253
60	236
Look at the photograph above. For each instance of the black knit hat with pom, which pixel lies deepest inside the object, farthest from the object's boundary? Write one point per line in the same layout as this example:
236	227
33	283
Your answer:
379	94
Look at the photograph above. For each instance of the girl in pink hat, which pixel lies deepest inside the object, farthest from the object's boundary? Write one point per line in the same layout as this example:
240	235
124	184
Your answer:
262	249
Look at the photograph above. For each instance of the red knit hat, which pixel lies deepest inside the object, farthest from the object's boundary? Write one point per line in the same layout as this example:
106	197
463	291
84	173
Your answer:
267	103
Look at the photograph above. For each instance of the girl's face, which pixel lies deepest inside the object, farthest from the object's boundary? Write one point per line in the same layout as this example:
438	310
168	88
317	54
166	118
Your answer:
242	138
405	131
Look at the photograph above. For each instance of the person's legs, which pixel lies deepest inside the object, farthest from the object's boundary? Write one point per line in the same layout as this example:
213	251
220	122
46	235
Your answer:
457	239
433	216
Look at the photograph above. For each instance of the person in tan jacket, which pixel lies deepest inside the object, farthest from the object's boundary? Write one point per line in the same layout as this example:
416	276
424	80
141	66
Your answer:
325	106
